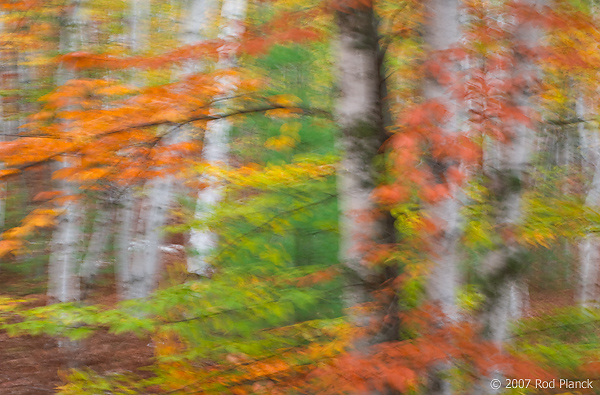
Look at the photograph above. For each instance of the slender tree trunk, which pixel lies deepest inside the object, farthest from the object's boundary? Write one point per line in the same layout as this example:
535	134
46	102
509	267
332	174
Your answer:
216	144
63	282
124	244
92	262
589	246
195	30
131	272
145	265
442	33
140	15
63	278
506	164
146	254
505	264
359	114
503	267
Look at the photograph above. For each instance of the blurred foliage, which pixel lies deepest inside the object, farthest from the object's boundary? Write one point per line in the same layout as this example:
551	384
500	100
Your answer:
273	306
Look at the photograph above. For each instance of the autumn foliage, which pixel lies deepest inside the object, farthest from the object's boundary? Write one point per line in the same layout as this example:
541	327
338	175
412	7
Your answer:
255	325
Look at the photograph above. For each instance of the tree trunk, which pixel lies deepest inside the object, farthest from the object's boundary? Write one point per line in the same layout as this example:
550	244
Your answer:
146	254
216	147
92	262
442	33
589	247
506	263
124	244
63	284
130	273
195	30
503	267
359	114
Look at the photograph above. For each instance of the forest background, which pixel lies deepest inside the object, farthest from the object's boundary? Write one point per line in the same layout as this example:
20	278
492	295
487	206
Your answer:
299	197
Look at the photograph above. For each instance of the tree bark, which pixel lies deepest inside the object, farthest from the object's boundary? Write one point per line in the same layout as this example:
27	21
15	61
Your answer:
124	244
442	33
130	267
216	145
503	267
92	261
196	29
359	115
589	246
63	282
146	253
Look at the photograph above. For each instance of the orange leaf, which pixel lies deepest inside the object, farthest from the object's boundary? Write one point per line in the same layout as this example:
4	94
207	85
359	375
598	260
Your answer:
10	246
47	195
41	221
285	100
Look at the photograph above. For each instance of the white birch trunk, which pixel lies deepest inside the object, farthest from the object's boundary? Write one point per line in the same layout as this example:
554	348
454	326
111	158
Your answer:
502	267
92	261
359	115
195	30
146	258
63	281
442	32
124	242
514	161
131	273
140	16
146	250
589	246
216	148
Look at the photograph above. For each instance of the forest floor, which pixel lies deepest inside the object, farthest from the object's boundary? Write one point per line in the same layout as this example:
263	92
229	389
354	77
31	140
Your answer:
34	365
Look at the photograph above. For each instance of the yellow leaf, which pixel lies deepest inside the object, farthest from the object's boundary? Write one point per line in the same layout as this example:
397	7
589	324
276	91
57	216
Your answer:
41	221
285	100
280	143
283	113
18	232
10	246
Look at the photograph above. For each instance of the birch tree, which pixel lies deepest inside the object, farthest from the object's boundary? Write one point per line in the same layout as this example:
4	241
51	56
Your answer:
589	246
127	221
141	256
63	281
196	29
146	259
92	261
504	264
442	34
216	140
359	116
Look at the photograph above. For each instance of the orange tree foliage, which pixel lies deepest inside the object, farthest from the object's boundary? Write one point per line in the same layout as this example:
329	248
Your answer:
114	140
